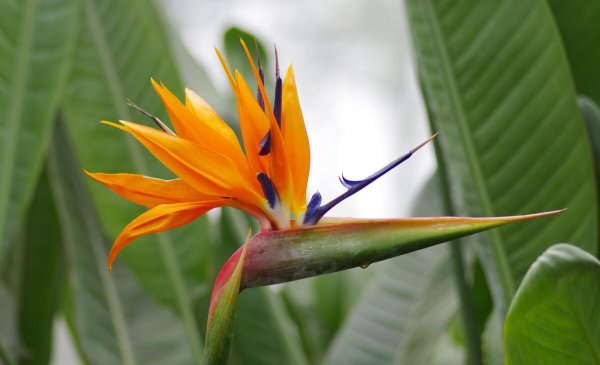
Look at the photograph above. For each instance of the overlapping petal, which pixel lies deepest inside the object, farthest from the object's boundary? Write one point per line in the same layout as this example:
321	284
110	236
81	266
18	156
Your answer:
279	162
207	171
199	123
149	191
159	219
253	123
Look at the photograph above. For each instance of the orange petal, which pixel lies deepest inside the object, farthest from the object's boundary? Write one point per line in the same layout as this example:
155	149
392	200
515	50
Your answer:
160	219
199	123
149	191
253	123
207	171
279	165
295	140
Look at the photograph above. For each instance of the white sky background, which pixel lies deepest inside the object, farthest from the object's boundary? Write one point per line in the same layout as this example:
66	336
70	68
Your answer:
357	86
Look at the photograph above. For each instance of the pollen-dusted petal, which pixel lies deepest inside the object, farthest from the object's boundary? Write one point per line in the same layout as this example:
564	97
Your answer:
207	171
253	123
149	191
159	219
295	140
200	124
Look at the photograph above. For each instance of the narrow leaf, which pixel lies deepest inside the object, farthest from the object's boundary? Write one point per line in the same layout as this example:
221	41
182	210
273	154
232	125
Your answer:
554	318
40	277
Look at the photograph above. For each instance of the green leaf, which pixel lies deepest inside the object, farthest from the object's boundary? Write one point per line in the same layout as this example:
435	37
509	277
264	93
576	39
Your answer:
554	317
9	341
499	89
402	313
39	276
120	47
577	22
591	116
113	319
297	253
36	42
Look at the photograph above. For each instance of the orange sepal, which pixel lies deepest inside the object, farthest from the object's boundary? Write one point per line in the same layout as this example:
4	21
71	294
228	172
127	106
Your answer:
206	171
295	139
159	219
199	123
149	191
253	123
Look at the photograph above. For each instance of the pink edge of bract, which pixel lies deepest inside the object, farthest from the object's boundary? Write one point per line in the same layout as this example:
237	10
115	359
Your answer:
225	274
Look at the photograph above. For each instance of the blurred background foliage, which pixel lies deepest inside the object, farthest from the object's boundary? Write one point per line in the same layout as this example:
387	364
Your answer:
501	80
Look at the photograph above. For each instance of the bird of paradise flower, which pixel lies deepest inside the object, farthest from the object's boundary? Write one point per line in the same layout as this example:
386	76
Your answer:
268	180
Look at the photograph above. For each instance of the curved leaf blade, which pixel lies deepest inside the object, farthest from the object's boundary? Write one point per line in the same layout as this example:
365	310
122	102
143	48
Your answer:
499	87
36	40
554	318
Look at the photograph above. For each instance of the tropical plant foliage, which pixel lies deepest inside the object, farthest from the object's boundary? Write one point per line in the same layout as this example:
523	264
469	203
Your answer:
512	85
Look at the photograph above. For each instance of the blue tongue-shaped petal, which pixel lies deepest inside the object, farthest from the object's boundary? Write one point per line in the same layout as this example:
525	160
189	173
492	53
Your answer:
355	186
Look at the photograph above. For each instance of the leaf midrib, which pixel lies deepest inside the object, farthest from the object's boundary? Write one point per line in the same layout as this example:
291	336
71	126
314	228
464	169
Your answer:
506	275
165	242
15	109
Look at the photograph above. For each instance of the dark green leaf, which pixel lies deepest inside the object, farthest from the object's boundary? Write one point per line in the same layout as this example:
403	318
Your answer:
577	22
39	276
554	318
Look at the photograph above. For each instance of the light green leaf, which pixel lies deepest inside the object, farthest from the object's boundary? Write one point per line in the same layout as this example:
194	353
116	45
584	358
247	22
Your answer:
114	320
499	89
554	318
120	47
577	22
36	41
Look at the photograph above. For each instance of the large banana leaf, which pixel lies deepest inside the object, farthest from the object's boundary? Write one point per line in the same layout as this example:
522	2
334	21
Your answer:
577	22
113	319
36	40
498	87
554	318
120	47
